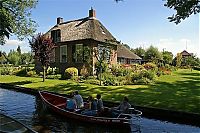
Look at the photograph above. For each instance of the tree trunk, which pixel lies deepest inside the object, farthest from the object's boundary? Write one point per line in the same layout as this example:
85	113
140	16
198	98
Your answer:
100	73
44	73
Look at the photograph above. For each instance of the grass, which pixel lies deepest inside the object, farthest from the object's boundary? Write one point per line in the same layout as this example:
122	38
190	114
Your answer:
178	91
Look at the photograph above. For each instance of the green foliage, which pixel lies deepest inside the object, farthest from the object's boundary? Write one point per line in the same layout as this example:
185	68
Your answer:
139	51
84	72
22	72
150	66
152	55
183	8
92	81
70	73
15	18
101	66
31	73
167	57
14	57
178	60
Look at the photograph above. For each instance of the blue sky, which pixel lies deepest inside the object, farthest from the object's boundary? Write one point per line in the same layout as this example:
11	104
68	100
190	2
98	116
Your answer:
134	22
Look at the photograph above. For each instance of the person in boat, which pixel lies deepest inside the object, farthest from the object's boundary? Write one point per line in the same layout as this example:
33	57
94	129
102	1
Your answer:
79	99
71	103
99	102
90	107
124	106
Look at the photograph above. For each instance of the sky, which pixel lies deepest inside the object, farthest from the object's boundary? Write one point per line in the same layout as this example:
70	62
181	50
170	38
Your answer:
133	22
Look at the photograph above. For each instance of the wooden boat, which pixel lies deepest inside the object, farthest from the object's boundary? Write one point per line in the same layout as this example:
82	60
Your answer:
8	124
57	104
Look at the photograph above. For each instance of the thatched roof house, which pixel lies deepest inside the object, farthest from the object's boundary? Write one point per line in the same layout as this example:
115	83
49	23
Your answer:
77	41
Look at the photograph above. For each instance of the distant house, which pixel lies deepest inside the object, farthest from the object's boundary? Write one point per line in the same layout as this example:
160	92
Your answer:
185	54
77	40
125	56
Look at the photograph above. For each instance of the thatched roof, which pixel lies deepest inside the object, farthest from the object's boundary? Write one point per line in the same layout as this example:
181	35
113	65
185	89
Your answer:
85	28
123	52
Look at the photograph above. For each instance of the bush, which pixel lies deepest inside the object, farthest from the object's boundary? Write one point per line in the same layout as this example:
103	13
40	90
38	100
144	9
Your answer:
31	73
150	66
104	67
22	72
84	72
109	79
70	73
92	81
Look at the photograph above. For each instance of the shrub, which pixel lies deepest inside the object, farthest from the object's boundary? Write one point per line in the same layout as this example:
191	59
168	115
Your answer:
31	73
84	72
109	79
21	72
150	66
92	81
70	73
104	67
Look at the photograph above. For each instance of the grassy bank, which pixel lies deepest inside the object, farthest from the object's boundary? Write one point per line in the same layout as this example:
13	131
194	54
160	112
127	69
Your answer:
178	91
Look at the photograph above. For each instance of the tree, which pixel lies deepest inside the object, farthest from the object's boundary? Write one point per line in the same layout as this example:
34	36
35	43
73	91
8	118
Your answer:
43	47
178	59
152	55
167	57
14	57
15	19
102	54
139	51
26	58
19	50
183	8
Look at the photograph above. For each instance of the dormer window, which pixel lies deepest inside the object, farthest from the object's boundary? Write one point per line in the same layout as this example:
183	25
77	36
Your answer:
56	36
102	31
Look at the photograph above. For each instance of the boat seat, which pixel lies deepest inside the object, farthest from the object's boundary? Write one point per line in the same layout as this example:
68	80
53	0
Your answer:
61	104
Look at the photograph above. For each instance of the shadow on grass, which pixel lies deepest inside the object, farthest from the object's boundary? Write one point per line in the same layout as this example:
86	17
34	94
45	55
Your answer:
21	82
180	95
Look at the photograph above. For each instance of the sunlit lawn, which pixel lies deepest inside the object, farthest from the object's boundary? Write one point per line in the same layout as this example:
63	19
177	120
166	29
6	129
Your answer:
178	91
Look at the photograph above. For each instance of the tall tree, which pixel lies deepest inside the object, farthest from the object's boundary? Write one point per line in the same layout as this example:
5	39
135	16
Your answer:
167	57
14	57
43	47
178	59
152	54
15	18
19	50
183	8
103	54
139	51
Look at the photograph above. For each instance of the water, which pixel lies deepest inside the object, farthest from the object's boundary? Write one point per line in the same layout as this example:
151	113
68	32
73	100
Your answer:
28	110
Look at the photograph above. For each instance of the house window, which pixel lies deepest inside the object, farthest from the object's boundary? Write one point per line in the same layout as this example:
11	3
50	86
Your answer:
52	56
56	36
63	53
77	51
104	53
86	53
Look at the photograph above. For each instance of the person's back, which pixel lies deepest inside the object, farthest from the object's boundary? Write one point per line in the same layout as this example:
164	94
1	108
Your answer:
124	106
71	103
79	100
99	102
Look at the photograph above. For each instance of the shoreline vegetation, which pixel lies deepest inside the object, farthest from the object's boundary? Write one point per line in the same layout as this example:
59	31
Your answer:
179	91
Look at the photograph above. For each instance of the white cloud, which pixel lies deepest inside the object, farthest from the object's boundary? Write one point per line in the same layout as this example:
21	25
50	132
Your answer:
14	42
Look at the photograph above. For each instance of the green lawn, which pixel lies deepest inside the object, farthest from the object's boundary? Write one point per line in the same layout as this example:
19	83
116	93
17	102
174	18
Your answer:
178	91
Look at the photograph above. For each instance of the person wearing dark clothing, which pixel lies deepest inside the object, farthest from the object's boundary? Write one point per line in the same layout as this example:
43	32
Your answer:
99	102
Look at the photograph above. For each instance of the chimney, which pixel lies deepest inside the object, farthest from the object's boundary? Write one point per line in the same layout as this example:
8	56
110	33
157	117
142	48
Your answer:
59	20
92	13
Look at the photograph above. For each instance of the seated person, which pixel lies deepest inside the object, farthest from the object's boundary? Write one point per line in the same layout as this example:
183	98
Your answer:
124	106
91	107
71	103
99	102
79	99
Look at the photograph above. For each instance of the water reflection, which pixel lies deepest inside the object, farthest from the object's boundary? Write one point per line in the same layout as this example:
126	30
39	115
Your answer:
29	110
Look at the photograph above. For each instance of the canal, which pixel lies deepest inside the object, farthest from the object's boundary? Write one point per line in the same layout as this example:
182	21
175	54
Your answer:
28	109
